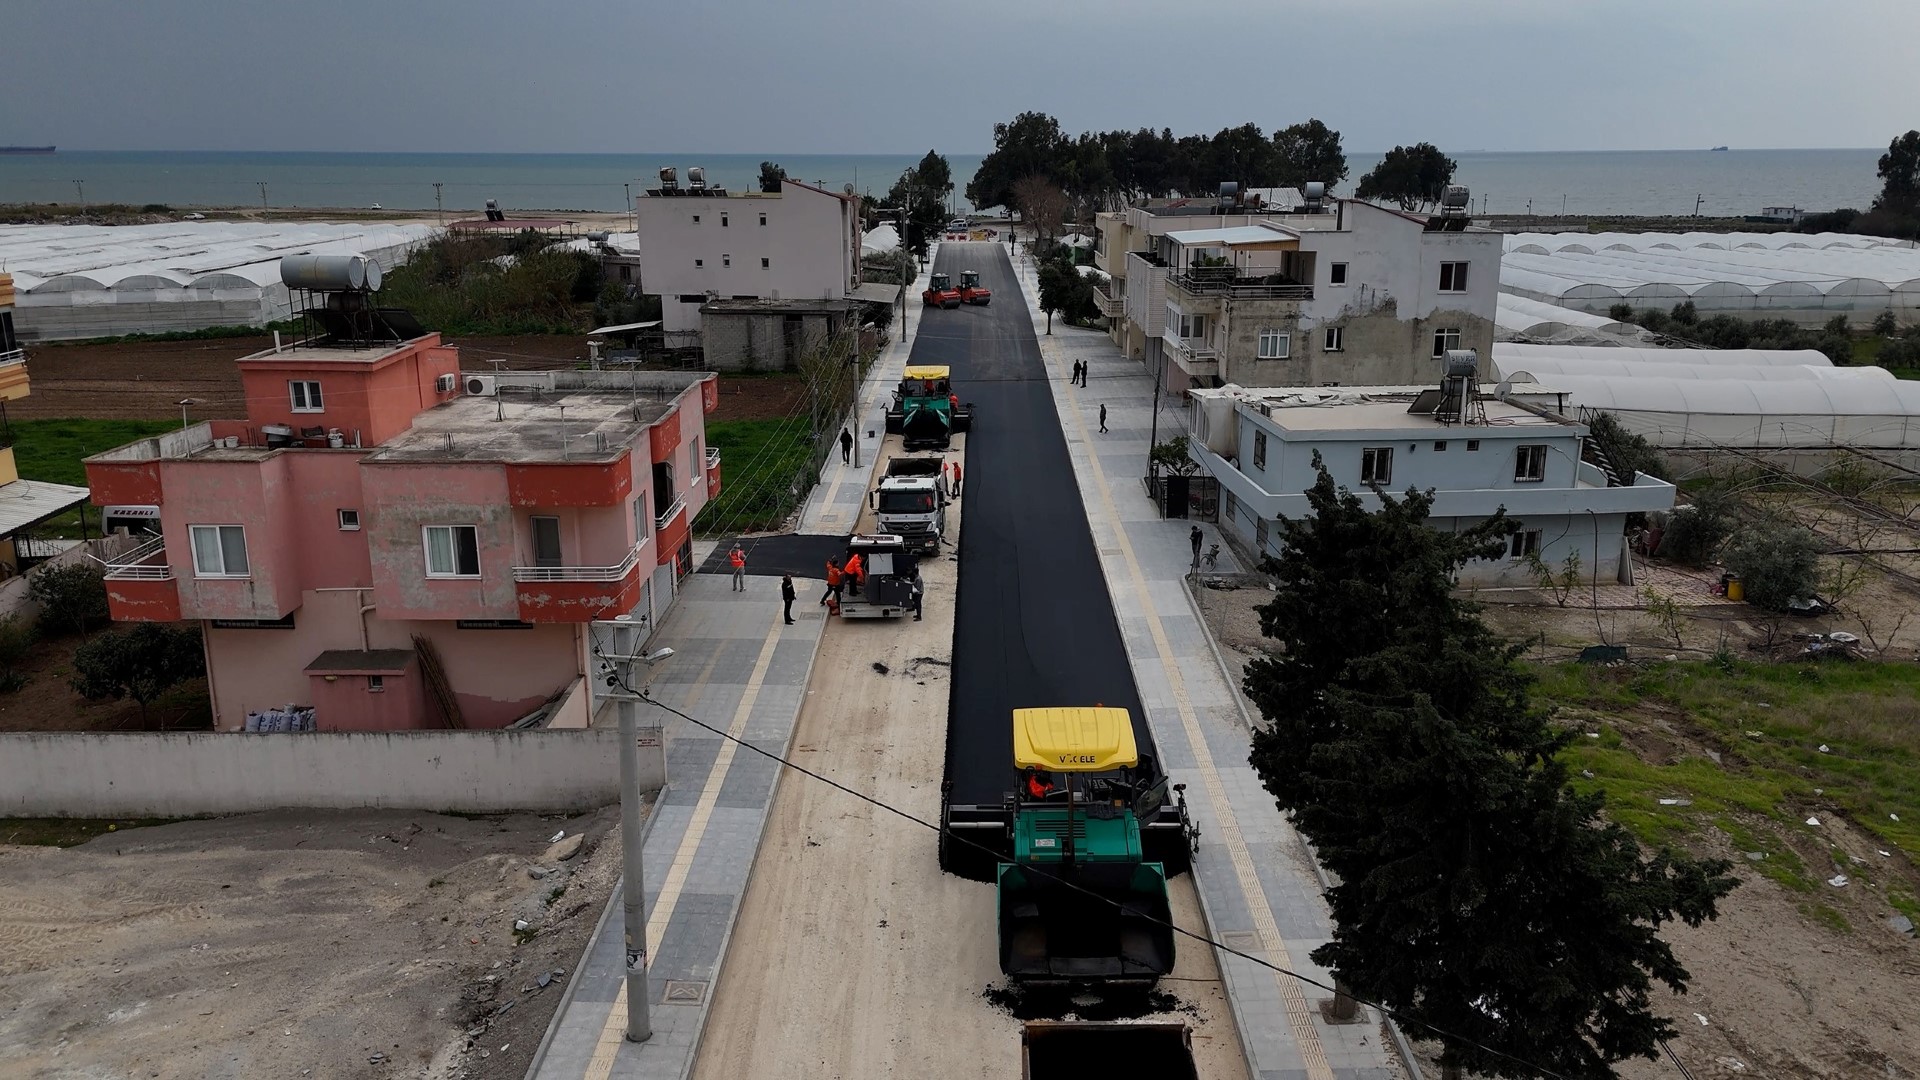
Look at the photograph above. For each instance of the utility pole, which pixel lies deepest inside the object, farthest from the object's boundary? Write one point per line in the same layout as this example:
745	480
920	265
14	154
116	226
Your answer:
80	192
906	281
624	635
438	210
263	193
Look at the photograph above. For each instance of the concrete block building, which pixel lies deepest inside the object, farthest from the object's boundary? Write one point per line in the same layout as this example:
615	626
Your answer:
397	544
1508	454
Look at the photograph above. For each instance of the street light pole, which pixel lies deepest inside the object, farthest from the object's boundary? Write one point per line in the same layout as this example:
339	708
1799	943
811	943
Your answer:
633	890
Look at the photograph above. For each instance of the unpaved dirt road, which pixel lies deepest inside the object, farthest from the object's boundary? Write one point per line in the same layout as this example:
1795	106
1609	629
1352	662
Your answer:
854	956
349	944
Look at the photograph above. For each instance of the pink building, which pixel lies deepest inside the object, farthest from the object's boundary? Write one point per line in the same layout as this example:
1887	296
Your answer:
383	534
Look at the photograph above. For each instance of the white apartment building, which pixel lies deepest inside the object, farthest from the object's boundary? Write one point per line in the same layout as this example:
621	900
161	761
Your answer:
1209	294
700	244
1503	454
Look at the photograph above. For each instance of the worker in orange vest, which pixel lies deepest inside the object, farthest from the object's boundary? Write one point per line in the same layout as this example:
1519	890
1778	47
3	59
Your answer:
856	573
1039	784
955	466
953	402
833	584
738	560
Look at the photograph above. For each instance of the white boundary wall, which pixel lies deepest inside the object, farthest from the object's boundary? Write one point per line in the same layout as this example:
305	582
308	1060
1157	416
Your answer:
180	774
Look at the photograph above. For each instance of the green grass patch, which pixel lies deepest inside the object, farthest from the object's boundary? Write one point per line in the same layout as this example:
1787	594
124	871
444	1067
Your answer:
51	451
67	832
1827	917
205	333
1772	720
766	468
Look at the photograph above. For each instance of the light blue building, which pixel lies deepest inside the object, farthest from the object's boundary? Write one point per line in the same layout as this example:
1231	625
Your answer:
1513	453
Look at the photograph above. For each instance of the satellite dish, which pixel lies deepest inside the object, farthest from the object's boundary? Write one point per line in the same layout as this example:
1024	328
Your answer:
848	189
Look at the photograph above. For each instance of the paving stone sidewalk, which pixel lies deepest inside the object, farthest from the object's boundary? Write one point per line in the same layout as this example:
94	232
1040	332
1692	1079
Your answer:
1257	890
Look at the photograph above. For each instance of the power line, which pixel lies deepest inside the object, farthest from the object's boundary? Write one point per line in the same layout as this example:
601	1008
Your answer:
1075	886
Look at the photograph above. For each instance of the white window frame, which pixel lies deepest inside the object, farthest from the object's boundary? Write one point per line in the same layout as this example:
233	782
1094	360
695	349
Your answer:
1333	339
1530	464
1260	534
1337	275
305	396
726	260
1524	543
1444	339
349	520
1274	345
1260	450
1453	277
426	551
763	220
766	263
1376	465
376	684
216	546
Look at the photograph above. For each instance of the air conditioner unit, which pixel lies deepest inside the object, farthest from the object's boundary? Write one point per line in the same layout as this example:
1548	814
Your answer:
482	386
445	384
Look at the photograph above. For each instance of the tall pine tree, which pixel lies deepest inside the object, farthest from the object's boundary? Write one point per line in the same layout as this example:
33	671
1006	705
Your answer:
1477	892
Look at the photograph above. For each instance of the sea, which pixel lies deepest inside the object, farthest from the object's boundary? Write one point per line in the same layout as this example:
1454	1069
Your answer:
1626	182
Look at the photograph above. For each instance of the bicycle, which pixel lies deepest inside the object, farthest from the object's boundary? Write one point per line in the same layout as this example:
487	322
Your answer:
1213	557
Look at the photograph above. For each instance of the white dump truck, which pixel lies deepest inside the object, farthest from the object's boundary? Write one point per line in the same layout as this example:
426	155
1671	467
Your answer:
911	502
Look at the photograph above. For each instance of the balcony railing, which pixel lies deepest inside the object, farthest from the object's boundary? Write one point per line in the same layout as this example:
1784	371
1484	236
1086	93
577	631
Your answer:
615	572
1111	306
148	562
1234	284
1190	351
12	357
713	457
665	518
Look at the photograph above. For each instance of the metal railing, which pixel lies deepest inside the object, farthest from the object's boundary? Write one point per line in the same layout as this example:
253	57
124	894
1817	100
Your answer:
138	564
616	572
1232	284
1110	306
661	521
713	457
1191	349
13	356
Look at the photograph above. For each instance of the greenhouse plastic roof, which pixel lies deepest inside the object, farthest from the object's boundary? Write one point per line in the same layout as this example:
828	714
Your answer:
1676	266
183	254
1739	357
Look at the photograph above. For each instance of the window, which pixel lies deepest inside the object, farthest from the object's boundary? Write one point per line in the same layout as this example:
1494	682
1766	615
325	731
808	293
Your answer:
726	260
1259	449
696	219
693	298
1472	445
218	550
626	272
642	521
349	521
1332	340
1443	340
723	221
1376	465
376	684
1185	325
1260	535
765	263
763	219
546	541
1524	544
699	262
1274	345
1439	445
1339	274
1232	506
306	395
1530	464
1453	277
452	550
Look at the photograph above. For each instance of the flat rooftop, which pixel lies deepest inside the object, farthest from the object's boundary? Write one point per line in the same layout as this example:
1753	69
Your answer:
1374	408
561	425
306	353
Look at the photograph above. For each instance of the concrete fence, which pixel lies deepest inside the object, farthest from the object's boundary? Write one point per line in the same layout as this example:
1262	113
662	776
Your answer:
13	591
178	774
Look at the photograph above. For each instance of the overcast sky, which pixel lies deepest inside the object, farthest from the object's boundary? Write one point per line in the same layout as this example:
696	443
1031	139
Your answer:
882	76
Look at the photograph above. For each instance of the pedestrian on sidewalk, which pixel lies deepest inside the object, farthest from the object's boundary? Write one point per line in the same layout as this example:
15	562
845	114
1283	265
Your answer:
955	466
1074	379
786	595
1194	538
918	588
846	447
833	583
1103	418
738	560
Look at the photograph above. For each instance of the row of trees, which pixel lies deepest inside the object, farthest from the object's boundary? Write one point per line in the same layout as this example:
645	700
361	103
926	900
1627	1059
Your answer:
1895	211
1101	170
1477	892
1685	325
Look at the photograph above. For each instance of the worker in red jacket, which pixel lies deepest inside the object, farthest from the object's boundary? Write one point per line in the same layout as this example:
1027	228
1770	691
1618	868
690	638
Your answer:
855	573
955	467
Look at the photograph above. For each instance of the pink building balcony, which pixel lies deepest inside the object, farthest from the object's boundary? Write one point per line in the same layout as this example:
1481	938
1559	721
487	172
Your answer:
713	472
580	593
141	585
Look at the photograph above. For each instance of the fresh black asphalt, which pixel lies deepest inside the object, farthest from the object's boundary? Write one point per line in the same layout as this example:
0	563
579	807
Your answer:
804	555
1033	625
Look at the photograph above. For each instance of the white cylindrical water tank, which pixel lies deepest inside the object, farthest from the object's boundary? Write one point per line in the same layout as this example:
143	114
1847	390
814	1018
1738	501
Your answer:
337	273
373	275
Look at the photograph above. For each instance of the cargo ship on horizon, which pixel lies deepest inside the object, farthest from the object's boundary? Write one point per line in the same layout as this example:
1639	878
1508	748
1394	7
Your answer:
26	149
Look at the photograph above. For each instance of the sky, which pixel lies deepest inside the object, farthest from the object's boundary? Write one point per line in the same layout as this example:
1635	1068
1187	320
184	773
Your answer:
881	76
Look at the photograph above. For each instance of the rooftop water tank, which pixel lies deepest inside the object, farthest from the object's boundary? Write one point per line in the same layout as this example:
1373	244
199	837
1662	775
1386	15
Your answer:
334	273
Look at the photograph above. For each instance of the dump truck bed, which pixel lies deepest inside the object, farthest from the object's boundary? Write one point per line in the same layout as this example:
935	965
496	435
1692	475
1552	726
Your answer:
1051	931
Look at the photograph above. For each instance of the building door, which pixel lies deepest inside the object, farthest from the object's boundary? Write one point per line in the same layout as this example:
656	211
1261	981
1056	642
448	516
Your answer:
662	487
546	541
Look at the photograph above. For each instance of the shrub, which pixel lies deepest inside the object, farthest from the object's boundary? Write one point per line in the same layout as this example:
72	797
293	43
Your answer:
1621	312
141	662
1685	313
1884	324
16	643
1838	325
72	598
1776	564
1696	531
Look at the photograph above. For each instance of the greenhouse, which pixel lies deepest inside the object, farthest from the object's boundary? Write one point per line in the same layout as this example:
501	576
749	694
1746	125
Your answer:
81	281
1865	412
1525	355
1519	318
1804	277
